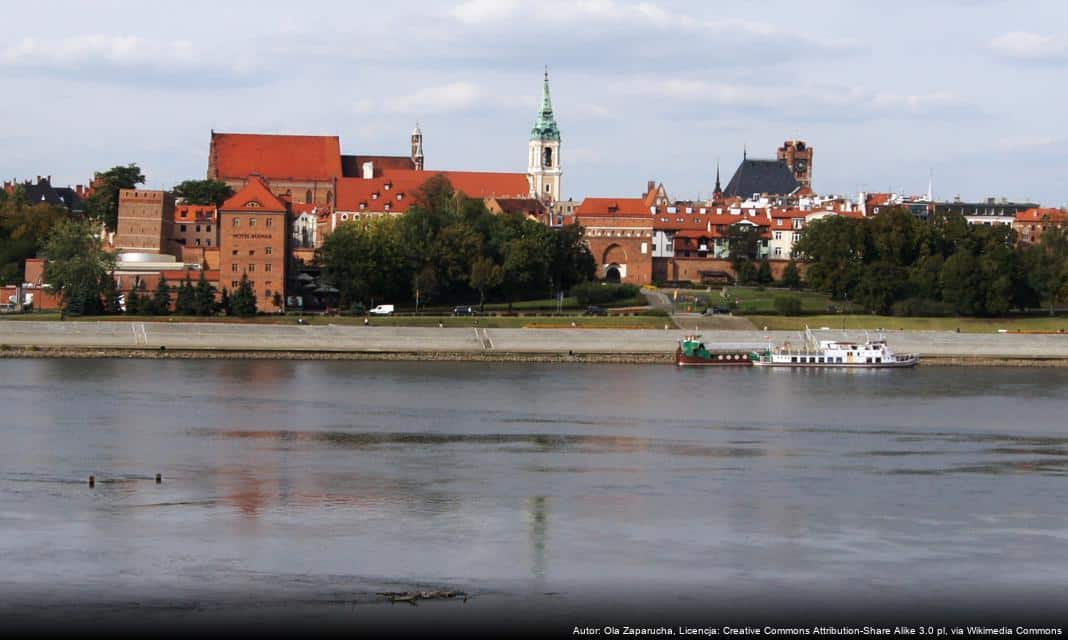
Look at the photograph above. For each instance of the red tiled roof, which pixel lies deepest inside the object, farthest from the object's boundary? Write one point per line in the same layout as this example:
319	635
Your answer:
374	193
279	157
1040	214
632	207
474	184
255	190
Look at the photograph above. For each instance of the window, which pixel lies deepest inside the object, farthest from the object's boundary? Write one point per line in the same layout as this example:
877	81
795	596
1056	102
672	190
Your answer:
546	188
252	252
234	252
308	196
267	267
269	250
237	222
233	267
208	228
234	284
181	228
197	227
197	242
793	360
252	267
251	222
270	222
778	235
208	242
266	293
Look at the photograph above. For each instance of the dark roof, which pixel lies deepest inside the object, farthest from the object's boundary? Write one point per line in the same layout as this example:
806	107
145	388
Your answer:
352	166
772	177
521	205
43	191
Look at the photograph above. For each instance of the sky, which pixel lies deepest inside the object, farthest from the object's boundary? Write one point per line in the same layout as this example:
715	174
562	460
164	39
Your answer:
972	91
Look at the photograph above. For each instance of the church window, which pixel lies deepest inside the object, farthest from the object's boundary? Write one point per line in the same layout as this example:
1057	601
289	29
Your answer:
308	196
548	156
329	197
546	188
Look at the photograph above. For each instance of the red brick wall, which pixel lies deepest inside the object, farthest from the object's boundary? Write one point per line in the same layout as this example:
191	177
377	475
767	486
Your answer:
256	246
690	268
617	239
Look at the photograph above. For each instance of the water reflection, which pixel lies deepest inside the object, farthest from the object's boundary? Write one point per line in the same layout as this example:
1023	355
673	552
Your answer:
315	476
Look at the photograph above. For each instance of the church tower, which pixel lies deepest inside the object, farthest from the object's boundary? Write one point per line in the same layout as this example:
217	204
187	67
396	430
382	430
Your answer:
417	148
543	162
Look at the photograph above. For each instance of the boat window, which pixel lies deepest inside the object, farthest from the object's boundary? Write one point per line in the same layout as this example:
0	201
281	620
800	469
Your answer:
867	360
821	360
878	359
793	359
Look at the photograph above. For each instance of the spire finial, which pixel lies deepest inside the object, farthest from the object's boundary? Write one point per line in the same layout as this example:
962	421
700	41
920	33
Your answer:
745	151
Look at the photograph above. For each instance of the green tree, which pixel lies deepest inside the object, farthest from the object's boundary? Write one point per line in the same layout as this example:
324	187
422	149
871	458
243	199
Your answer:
763	275
137	301
486	275
243	303
24	229
203	297
525	269
185	303
571	263
111	296
203	192
77	267
161	298
1049	266
103	205
365	260
961	286
791	276
225	305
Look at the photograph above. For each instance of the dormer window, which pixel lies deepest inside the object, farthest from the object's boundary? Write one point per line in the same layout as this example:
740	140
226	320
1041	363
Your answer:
374	196
363	205
399	196
388	205
387	186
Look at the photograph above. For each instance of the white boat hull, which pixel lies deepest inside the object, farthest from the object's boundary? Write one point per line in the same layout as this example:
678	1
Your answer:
903	363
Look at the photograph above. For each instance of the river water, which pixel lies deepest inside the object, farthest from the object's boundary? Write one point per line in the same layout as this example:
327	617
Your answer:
290	485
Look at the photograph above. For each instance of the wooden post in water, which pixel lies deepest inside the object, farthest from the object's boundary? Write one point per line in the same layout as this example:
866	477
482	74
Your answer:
92	481
159	478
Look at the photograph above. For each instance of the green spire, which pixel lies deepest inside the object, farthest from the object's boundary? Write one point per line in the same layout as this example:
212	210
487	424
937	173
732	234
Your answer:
545	126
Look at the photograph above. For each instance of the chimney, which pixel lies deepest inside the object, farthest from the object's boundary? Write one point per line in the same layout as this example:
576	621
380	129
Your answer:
650	186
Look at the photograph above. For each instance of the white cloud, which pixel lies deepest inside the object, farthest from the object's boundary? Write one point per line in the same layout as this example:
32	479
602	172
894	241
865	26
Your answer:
453	97
1031	47
479	11
1025	143
111	58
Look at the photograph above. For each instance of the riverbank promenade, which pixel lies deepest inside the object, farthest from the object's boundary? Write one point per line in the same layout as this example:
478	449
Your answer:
229	339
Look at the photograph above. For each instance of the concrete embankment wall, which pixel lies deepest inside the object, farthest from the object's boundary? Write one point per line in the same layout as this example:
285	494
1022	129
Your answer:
227	340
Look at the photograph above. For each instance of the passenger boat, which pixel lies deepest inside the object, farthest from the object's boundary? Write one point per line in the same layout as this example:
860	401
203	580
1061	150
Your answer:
869	354
692	352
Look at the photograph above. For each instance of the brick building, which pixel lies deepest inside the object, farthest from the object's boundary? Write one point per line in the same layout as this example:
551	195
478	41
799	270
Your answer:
798	157
145	219
303	169
619	232
1031	223
253	233
195	226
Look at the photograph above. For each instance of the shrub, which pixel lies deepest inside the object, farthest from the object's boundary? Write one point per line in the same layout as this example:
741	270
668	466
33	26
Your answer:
788	305
597	293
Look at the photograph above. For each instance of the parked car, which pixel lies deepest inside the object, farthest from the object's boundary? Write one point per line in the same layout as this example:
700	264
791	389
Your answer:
594	310
382	310
711	311
463	311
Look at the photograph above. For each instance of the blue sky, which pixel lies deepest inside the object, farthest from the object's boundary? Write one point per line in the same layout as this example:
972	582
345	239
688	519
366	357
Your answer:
971	89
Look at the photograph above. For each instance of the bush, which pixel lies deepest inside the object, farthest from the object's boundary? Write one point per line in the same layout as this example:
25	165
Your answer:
788	305
357	309
597	293
921	307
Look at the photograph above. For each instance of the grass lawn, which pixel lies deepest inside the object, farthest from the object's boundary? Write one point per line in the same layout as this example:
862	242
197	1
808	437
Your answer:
966	325
751	300
490	322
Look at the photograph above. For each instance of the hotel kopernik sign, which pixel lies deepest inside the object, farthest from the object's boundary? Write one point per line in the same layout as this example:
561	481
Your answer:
251	236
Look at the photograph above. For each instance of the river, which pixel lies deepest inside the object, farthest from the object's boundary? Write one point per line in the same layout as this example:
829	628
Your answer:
291	485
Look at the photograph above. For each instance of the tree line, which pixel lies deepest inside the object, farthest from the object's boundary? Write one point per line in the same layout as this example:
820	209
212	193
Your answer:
450	248
897	263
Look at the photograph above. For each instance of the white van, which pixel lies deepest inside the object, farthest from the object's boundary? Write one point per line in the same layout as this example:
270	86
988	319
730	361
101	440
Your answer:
382	310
